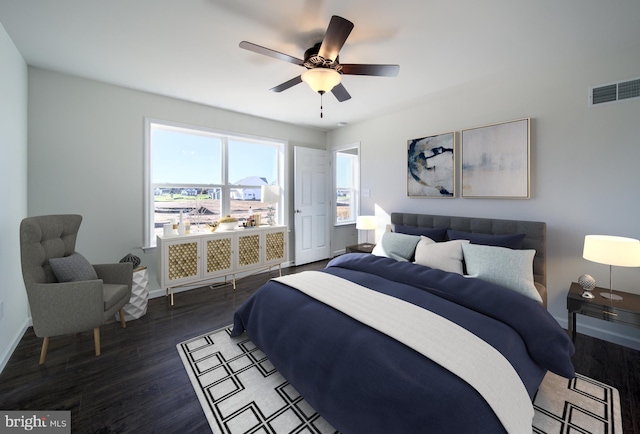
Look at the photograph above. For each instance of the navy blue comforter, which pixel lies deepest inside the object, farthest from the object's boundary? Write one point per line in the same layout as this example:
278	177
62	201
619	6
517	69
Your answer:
362	381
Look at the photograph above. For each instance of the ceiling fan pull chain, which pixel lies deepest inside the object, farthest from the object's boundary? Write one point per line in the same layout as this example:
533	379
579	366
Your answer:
321	105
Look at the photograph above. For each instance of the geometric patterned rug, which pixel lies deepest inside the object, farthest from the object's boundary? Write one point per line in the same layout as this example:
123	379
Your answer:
579	405
241	392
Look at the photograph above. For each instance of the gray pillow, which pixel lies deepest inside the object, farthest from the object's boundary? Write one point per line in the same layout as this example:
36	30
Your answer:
512	269
446	256
72	268
400	247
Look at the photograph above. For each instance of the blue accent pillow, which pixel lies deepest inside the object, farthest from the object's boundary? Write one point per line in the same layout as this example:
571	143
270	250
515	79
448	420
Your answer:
436	234
72	268
400	247
510	268
509	241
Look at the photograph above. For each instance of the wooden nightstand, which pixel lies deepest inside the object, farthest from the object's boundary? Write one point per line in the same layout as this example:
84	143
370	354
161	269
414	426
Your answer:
361	248
625	311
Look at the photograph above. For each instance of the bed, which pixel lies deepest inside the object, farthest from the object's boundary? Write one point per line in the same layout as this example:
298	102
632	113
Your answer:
378	344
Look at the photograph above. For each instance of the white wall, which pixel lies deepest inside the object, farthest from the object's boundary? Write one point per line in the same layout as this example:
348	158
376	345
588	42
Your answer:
86	155
13	179
585	174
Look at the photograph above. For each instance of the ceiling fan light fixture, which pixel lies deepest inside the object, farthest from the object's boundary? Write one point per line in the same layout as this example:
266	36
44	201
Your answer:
321	80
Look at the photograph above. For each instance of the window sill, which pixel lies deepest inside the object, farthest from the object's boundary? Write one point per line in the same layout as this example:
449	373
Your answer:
344	224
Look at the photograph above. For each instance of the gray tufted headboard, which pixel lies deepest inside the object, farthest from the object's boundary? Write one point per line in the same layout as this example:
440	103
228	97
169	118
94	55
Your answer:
535	235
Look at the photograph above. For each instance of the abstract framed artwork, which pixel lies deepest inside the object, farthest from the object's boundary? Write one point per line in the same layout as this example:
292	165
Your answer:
431	166
496	160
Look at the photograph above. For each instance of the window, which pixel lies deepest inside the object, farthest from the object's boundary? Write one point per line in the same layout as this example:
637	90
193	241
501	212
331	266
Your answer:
347	184
205	174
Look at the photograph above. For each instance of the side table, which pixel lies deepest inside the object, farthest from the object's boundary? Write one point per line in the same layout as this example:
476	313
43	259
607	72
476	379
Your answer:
361	248
137	305
625	311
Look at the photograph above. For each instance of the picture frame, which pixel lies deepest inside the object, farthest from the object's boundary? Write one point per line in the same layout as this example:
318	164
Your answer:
496	160
431	169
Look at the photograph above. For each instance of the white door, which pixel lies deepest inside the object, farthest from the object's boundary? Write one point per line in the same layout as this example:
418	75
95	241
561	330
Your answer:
311	205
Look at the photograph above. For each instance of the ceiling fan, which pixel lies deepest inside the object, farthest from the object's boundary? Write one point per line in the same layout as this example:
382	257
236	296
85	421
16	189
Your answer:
324	71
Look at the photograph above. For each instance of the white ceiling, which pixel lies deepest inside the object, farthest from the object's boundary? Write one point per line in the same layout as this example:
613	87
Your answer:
188	49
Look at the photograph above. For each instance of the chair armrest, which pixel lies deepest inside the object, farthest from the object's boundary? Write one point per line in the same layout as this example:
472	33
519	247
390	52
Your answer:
121	273
63	308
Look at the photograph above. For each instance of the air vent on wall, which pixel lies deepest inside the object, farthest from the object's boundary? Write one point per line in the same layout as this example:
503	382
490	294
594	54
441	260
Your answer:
614	92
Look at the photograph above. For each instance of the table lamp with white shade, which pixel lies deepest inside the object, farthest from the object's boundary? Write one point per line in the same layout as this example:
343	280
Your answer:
612	250
270	194
366	223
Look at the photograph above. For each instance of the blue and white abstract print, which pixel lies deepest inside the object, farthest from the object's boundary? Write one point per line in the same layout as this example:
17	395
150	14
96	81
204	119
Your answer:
495	160
430	166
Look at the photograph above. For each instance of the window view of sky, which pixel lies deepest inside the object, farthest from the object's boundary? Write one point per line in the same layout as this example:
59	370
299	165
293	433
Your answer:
183	158
251	159
344	170
180	158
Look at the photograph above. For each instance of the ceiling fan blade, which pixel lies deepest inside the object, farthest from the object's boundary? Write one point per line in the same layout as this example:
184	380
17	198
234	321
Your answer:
287	84
271	53
337	33
340	92
364	69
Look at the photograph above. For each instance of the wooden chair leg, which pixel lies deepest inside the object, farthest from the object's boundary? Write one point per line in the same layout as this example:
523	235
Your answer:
45	346
122	323
96	340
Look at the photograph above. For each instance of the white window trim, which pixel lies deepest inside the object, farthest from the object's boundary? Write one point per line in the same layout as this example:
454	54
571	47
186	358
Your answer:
148	205
356	206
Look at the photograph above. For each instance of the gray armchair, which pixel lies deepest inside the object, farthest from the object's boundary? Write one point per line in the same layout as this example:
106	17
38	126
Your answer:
59	308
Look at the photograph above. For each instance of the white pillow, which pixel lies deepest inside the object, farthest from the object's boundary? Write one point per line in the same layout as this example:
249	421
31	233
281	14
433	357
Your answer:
446	256
506	267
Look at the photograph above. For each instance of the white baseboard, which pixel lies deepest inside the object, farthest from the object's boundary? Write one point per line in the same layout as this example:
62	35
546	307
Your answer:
599	333
14	344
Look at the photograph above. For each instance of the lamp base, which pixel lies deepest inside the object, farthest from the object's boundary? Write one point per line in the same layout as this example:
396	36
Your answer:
271	220
610	296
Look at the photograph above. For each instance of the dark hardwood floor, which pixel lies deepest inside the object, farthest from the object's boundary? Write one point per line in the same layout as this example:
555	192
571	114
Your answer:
139	384
617	366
